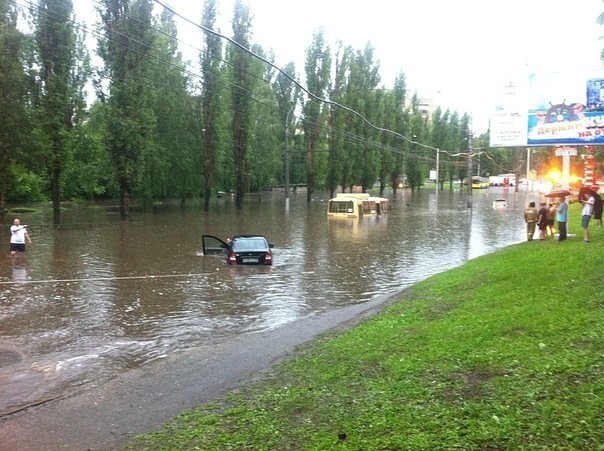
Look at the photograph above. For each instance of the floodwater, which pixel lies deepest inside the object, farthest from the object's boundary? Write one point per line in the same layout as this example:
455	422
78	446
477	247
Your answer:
99	296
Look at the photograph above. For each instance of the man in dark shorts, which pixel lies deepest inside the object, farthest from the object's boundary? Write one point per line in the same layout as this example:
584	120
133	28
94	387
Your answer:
18	235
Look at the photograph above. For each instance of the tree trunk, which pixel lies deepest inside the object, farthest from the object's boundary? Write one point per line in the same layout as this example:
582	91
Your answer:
55	182
124	199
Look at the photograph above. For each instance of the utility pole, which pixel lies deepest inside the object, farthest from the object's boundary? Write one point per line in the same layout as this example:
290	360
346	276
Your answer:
286	154
437	174
469	169
528	164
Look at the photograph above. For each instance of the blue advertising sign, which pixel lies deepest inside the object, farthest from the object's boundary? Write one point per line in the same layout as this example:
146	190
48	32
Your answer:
565	109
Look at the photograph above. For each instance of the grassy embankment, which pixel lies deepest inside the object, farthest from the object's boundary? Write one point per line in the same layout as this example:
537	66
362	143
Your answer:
505	352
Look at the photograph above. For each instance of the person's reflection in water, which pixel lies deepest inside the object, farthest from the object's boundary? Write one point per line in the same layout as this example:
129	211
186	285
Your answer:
19	272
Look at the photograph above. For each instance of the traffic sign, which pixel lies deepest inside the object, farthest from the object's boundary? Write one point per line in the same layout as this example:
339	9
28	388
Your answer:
566	151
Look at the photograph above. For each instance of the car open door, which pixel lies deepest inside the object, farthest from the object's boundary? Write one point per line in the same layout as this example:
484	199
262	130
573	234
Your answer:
212	245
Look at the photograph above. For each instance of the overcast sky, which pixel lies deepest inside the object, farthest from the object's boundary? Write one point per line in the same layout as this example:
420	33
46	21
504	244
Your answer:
457	52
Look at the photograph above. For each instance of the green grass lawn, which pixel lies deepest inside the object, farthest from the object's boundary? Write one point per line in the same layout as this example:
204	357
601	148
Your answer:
505	352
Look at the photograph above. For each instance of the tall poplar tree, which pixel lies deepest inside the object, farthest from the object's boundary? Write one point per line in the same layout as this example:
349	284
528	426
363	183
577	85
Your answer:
242	87
387	121
439	129
125	48
171	168
363	97
264	156
417	129
338	163
318	69
400	125
63	71
211	100
12	96
288	94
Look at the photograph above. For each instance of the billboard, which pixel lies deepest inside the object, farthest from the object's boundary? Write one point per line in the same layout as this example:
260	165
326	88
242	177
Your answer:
551	109
508	123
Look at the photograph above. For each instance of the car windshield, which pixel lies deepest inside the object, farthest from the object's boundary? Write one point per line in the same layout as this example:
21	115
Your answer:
244	244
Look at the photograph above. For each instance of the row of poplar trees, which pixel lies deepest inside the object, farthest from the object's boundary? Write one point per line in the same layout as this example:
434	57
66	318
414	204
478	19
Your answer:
162	128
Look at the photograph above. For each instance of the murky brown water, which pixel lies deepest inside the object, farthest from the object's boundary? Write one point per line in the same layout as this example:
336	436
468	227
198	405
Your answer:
100	296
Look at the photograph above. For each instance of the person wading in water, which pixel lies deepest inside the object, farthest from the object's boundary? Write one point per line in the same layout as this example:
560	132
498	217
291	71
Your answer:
18	236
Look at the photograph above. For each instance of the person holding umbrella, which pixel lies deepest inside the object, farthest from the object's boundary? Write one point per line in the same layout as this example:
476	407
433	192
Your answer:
562	211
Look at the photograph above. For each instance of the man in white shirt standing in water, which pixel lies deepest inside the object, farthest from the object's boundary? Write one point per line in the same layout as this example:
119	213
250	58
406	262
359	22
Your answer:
18	235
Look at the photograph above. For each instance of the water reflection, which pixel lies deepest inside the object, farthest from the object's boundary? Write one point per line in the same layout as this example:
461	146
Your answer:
89	301
19	271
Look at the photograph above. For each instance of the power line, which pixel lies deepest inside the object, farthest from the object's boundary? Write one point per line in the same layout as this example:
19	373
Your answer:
97	31
94	279
182	68
293	80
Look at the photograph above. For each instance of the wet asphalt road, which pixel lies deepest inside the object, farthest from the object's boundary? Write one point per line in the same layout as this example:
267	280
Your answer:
109	414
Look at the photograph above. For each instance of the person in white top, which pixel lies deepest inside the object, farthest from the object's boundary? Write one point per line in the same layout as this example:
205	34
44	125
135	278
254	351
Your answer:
18	235
588	209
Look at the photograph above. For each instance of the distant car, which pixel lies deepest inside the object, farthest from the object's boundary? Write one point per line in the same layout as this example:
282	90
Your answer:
240	249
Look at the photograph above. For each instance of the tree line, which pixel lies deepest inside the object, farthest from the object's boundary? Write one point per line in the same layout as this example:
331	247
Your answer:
158	129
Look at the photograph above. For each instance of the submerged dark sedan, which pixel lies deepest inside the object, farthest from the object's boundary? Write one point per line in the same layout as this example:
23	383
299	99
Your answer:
240	249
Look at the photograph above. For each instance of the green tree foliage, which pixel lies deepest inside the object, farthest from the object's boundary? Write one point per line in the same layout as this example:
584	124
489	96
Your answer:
387	156
287	94
90	175
212	106
157	132
384	155
401	126
130	120
265	155
455	167
12	97
338	163
366	100
63	71
439	134
172	170
418	131
242	88
465	142
318	68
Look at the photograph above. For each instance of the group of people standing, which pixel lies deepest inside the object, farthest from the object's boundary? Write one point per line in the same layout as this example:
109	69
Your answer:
543	218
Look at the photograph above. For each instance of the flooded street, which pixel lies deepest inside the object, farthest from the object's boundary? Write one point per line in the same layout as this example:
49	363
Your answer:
100	296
